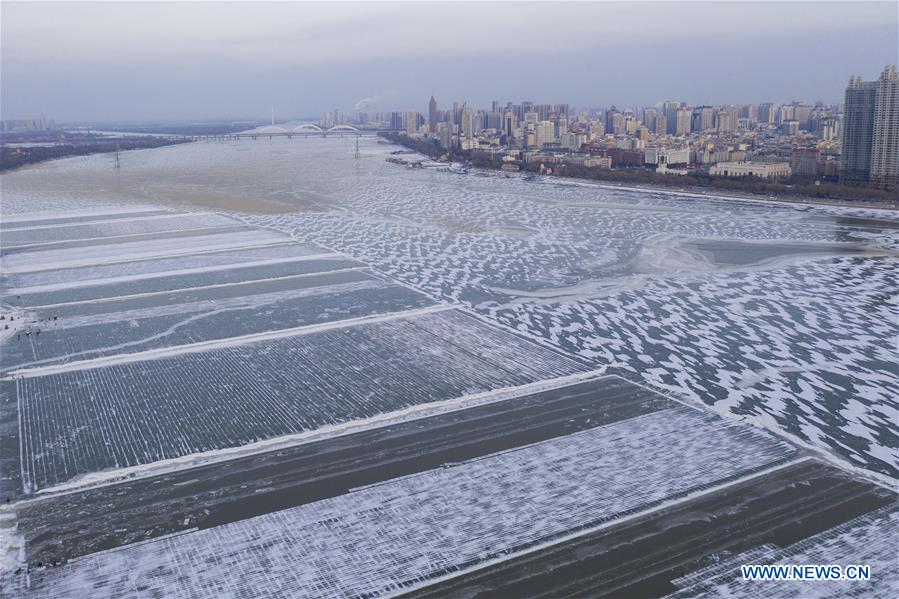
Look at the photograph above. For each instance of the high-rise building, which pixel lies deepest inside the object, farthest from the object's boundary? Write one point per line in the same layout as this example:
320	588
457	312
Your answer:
733	116
612	115
530	135
801	113
725	121
509	124
885	142
830	129
870	131
703	119
432	115
858	131
630	125
749	112
545	132
649	118
411	123
615	122
789	128
467	123
661	124
815	119
446	135
495	120
572	141
766	113
682	118
670	109
784	113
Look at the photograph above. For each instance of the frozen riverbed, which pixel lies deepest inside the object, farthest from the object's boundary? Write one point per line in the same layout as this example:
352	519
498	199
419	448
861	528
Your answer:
670	289
379	539
223	350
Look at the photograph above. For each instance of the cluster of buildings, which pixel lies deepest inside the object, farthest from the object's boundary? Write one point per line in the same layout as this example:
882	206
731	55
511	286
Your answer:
27	125
854	142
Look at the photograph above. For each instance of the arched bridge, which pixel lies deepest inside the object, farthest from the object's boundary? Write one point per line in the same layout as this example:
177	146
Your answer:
304	128
299	131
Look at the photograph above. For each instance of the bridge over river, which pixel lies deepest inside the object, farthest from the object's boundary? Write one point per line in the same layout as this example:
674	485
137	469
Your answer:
302	131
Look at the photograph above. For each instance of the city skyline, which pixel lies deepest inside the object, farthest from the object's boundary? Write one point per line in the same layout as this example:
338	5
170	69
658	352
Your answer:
303	59
372	105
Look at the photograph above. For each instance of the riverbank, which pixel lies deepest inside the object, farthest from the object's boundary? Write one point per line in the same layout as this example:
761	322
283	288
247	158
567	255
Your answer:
14	157
652	182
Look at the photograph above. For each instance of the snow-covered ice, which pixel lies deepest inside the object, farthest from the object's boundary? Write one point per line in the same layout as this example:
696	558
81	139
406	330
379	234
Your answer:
378	539
51	259
869	540
78	419
47	234
781	315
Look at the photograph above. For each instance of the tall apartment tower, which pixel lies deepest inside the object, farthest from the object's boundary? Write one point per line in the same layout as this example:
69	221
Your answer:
670	108
411	123
432	115
703	118
871	131
858	131
649	118
766	113
467	123
885	142
509	124
682	118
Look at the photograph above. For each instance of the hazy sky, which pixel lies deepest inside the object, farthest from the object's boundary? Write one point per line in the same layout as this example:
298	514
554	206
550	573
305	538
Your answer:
160	60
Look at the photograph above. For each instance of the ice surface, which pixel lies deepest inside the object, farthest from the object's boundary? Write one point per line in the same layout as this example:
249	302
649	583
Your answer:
800	337
867	540
783	347
135	250
177	324
112	274
378	539
15	213
82	420
218	291
19	237
789	340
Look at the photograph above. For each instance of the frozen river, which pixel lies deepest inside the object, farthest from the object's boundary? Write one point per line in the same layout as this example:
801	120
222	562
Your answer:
783	314
266	367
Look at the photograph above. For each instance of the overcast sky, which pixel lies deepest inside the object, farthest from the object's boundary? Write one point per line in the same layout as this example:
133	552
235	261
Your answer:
101	61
